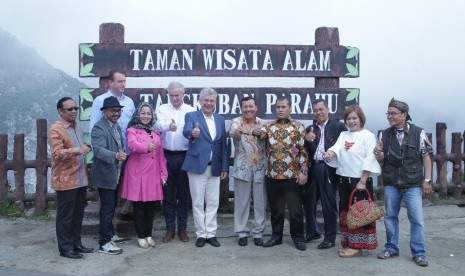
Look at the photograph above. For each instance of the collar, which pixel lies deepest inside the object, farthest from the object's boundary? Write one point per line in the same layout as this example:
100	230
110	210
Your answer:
67	124
206	117
121	98
245	121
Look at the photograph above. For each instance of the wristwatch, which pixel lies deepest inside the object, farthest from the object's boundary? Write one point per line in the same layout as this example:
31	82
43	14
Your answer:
428	180
304	172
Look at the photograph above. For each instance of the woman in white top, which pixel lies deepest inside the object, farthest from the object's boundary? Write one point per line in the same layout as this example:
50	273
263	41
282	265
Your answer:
353	157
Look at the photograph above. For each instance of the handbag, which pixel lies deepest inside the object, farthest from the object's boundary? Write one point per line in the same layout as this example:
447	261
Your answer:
363	212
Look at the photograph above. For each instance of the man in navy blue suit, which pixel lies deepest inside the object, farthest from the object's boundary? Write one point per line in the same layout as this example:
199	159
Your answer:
206	164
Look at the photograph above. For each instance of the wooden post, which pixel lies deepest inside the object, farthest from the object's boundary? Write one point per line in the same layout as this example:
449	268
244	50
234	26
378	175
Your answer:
456	158
3	170
19	168
441	157
41	168
326	36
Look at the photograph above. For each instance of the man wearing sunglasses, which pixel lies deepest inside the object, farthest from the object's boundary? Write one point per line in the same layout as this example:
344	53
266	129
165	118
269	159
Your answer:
69	178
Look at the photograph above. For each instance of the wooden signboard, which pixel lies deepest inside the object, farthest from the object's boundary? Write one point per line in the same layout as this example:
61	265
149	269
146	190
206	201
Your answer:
218	60
228	100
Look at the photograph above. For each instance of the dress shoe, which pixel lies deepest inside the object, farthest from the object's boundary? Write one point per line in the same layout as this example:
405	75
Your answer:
71	255
182	235
258	241
213	241
300	245
242	241
200	242
326	244
169	235
82	249
272	243
312	238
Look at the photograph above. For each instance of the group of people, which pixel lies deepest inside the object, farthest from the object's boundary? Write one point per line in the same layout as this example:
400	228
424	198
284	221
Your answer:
176	151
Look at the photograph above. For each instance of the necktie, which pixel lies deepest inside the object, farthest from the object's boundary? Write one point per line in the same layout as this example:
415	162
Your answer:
400	135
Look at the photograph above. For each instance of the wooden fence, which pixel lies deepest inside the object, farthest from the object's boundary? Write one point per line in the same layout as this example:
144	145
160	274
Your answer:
42	163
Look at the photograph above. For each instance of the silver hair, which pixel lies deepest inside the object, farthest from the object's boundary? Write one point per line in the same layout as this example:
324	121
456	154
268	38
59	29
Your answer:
207	91
174	85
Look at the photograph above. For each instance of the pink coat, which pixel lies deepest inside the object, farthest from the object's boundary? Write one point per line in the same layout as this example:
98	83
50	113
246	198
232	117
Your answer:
144	170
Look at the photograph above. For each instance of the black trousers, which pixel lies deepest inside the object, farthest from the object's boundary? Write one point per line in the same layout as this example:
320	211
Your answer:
70	212
279	193
144	213
108	198
176	192
320	187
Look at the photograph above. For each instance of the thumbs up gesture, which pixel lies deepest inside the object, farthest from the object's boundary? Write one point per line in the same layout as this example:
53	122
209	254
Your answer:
173	126
196	131
311	136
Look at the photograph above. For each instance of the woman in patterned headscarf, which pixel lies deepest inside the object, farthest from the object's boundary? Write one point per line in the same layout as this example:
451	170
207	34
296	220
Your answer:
145	172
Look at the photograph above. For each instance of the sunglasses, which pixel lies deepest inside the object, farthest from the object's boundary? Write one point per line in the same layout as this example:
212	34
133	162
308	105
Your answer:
75	108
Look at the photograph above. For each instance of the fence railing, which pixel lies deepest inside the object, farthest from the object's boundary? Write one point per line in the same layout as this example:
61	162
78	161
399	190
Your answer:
42	163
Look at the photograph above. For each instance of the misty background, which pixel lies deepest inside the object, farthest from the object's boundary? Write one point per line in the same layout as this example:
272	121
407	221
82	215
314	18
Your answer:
410	50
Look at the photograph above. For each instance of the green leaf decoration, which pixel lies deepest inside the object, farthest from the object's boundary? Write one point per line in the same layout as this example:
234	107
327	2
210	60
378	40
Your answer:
84	114
86	95
90	157
86	69
352	95
85	49
353	70
353	52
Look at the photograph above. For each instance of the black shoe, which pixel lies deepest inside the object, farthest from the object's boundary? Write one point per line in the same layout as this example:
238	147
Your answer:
242	241
300	245
258	241
71	255
326	244
273	242
200	242
213	241
312	238
82	249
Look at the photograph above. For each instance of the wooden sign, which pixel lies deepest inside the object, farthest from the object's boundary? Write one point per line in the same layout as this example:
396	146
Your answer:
228	100
218	60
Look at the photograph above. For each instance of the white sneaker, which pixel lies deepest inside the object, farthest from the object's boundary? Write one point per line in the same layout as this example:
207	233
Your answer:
143	243
117	239
110	248
150	241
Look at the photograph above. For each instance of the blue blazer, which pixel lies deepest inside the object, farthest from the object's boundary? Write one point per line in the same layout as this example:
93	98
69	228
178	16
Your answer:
198	154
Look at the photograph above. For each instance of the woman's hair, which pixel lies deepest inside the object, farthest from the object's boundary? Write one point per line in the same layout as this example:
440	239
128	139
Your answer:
358	111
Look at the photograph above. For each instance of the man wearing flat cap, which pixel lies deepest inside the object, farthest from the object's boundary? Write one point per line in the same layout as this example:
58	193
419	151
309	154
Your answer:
109	154
404	152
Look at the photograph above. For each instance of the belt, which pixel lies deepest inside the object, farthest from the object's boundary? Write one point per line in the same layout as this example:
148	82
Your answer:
170	152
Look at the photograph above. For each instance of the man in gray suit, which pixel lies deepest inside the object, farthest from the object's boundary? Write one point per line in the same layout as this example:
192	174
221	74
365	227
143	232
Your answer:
109	154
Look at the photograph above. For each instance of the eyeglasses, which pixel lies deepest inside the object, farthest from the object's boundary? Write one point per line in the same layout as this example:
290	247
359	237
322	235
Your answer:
392	114
75	108
115	111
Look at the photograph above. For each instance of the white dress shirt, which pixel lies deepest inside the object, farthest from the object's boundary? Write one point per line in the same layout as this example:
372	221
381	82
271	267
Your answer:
173	141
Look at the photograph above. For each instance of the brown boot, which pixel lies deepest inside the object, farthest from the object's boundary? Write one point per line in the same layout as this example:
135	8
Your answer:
169	235
182	234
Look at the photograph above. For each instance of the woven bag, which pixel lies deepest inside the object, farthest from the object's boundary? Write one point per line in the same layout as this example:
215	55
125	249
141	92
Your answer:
363	212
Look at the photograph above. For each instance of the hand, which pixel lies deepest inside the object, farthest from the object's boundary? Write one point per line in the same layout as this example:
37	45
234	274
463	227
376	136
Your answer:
328	155
427	188
379	148
173	126
151	146
121	155
301	179
238	131
224	175
84	150
196	131
311	136
256	131
360	186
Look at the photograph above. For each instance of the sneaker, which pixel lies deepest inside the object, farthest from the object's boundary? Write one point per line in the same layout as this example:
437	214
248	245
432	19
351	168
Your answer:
117	239
387	255
420	260
110	248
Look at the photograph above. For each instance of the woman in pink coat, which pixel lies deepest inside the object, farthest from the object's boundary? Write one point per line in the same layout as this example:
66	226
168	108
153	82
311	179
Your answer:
145	172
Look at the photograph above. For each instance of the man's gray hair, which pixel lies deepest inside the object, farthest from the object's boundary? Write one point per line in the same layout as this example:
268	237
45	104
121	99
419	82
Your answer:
207	91
175	85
